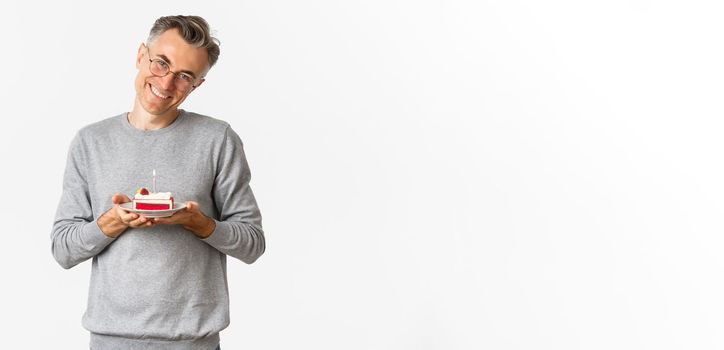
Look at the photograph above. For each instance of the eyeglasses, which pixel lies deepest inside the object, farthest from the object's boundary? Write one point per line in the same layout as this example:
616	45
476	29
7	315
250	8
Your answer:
160	68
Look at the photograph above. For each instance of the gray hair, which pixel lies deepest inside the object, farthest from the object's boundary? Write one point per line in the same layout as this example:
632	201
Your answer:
194	30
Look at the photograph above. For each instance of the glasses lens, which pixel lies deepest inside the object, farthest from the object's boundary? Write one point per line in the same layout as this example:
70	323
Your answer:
181	84
159	68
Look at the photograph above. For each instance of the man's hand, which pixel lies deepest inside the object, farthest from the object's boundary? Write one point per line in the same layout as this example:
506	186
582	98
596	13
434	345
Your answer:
192	219
116	220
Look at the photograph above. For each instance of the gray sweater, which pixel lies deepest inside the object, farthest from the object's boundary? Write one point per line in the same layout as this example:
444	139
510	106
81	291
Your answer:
159	287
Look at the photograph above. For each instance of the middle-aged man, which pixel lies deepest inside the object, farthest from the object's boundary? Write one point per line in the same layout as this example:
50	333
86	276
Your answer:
159	283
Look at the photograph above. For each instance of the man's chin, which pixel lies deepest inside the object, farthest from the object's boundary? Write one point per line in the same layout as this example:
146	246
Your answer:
157	110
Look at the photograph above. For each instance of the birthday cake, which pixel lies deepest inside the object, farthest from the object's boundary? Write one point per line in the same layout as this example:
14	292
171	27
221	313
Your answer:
145	200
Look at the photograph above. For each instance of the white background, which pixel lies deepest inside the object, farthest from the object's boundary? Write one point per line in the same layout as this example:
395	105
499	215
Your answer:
432	174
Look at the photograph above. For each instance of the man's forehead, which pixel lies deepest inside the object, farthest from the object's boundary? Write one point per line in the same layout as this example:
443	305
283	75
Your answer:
172	48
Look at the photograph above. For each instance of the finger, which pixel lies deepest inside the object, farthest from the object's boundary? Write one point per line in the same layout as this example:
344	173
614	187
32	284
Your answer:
122	215
127	218
140	221
192	206
160	221
166	220
120	198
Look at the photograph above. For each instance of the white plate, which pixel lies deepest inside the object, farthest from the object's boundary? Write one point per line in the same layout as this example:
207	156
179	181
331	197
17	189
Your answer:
128	206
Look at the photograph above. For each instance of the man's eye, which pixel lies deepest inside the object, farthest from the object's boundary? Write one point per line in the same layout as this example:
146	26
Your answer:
185	77
162	64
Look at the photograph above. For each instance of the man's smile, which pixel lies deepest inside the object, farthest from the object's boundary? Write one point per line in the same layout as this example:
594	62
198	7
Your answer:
158	93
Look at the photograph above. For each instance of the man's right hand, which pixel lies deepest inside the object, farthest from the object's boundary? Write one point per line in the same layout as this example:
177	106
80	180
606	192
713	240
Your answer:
116	220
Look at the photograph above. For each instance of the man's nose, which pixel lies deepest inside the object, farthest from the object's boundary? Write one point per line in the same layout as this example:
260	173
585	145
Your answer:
168	81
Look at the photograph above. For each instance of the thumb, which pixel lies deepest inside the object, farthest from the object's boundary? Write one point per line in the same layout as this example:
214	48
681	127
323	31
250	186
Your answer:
192	206
120	198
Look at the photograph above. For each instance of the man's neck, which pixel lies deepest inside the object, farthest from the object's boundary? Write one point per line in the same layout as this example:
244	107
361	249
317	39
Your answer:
141	119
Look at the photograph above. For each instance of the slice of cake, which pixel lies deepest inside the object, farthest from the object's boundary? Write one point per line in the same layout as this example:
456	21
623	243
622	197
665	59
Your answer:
144	200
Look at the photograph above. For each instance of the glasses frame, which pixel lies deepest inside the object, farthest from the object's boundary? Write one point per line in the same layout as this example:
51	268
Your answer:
168	70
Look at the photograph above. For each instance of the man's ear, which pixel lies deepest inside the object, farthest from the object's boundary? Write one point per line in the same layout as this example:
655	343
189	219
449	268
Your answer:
141	51
199	84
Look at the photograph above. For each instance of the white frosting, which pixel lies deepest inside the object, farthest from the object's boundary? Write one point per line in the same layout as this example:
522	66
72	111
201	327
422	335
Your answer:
157	195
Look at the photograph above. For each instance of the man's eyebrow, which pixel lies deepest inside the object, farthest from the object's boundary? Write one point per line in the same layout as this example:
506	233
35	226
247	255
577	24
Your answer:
163	57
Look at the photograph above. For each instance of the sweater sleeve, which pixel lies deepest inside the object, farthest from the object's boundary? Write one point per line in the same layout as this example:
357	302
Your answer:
76	236
238	230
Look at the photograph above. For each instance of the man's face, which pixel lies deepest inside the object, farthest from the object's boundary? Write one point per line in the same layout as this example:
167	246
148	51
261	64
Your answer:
159	95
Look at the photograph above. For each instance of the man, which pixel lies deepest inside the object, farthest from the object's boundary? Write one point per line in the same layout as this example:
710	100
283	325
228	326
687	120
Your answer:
159	283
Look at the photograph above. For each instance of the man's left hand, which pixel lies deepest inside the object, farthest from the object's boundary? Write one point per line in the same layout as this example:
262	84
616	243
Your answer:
192	219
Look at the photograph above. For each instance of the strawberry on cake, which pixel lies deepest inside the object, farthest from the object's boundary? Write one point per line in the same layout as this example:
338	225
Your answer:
145	200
